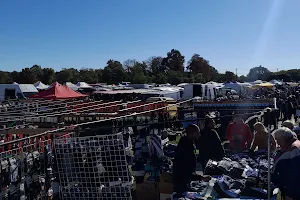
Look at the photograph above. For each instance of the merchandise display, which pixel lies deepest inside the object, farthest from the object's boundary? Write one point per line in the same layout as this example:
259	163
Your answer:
27	172
93	167
240	175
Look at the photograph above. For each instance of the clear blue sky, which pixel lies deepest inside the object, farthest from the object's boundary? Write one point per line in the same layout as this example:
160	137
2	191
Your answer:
86	33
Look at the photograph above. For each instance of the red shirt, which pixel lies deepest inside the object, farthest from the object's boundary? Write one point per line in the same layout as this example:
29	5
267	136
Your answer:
238	135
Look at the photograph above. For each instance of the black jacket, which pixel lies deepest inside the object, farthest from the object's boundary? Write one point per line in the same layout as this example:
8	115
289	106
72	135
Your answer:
210	147
184	164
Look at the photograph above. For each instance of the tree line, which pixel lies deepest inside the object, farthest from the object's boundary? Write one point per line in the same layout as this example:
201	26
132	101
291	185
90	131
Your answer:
169	69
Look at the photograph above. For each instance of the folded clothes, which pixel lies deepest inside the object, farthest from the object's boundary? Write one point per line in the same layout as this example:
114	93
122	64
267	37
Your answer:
232	187
197	186
231	168
212	168
192	195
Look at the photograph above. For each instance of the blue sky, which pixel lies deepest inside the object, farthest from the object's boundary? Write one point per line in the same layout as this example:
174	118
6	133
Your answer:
75	33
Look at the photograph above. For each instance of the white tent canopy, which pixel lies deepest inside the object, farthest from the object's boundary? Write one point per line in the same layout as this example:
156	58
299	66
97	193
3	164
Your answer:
256	82
276	82
41	86
83	85
238	87
72	86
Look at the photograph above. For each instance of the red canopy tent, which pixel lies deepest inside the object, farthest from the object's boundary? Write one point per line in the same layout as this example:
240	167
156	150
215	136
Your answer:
58	91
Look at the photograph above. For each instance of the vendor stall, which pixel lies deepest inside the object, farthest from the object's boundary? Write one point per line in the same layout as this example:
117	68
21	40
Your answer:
239	175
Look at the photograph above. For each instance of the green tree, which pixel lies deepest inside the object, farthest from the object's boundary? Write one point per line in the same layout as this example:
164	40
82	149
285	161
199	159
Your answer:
242	78
293	73
160	78
38	71
139	73
99	73
67	75
281	75
3	77
155	65
197	64
220	78
88	75
129	64
48	76
14	76
174	61
258	73
113	72
230	76
198	78
27	76
174	77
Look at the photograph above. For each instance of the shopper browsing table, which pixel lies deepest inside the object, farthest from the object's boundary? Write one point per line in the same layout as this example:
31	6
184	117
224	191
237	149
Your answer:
286	172
209	144
260	140
238	133
184	164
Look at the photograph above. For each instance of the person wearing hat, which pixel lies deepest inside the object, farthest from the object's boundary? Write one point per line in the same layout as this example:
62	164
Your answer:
209	143
184	164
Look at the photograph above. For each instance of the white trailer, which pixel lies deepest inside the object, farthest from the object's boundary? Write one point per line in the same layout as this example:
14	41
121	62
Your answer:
205	91
14	91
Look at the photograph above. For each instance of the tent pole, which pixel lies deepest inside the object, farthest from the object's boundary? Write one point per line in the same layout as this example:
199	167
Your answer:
269	152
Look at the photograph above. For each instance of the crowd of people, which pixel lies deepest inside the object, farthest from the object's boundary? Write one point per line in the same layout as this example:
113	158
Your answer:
284	146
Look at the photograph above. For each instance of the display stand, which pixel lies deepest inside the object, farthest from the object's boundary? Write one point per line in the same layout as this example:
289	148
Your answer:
269	152
93	167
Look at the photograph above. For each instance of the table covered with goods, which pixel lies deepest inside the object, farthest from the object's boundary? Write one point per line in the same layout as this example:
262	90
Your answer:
237	176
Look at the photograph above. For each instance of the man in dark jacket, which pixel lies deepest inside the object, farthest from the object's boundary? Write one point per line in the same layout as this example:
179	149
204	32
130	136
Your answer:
209	143
184	164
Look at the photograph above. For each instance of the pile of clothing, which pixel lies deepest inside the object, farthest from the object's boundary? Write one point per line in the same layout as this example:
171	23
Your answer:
89	164
169	150
28	175
242	174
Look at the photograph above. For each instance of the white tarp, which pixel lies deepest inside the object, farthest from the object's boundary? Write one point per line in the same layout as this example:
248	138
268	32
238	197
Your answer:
41	86
72	86
235	86
83	85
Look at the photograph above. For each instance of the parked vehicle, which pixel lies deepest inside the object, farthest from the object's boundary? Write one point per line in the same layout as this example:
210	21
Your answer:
16	91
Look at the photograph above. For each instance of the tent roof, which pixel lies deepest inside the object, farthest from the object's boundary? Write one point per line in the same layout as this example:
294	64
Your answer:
58	91
267	84
72	86
40	86
83	85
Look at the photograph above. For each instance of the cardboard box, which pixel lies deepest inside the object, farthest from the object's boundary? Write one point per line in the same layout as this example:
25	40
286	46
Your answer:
166	177
166	188
146	191
165	196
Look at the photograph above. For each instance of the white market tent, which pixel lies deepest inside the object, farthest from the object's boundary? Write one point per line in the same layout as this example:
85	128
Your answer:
182	84
40	86
83	85
238	87
256	82
276	82
72	86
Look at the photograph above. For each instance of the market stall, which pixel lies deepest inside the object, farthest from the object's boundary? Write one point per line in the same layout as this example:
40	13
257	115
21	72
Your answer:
241	175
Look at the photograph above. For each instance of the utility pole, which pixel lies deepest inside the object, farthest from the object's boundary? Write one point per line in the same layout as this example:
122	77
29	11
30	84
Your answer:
236	72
